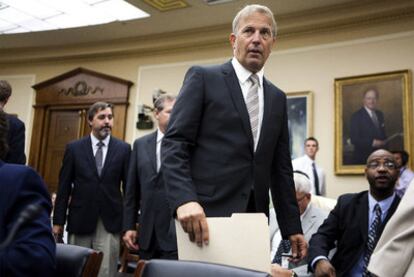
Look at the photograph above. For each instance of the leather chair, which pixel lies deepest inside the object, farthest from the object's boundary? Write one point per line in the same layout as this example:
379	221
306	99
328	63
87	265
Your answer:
77	261
156	268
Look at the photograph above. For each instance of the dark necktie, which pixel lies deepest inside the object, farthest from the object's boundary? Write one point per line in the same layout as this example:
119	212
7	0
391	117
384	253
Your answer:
99	157
252	104
284	247
372	238
315	179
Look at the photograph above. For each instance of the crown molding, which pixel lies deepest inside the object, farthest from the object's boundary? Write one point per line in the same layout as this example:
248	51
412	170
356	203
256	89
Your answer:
363	17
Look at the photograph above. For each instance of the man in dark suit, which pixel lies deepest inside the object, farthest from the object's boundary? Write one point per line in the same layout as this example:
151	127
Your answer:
93	169
16	133
227	141
356	223
32	251
145	192
367	128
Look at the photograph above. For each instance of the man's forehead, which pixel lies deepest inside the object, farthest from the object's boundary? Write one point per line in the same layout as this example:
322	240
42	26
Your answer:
381	156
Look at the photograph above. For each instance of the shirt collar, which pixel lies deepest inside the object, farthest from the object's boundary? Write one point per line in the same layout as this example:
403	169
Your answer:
160	135
243	74
369	111
95	140
384	204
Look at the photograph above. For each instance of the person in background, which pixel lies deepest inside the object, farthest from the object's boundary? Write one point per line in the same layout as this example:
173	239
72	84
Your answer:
406	175
311	218
16	129
93	175
32	251
227	141
394	255
307	164
356	223
145	192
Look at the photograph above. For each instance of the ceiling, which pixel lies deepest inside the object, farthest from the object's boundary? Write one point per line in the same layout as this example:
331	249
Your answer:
196	15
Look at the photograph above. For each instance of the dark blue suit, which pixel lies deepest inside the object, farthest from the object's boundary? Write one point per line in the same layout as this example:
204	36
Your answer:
346	228
363	132
92	195
15	140
208	150
32	252
146	192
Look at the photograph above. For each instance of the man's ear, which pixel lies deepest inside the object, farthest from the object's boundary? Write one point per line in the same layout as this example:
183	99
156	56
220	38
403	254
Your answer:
232	39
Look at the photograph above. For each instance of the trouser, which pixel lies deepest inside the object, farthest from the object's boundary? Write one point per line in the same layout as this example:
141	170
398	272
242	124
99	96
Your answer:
104	241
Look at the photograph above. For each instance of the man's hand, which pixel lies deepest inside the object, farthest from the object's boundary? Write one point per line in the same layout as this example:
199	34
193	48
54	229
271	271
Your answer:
299	247
57	233
324	269
130	238
193	220
278	271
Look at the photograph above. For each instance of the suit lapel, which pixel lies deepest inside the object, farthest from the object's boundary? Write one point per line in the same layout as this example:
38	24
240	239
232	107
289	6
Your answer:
236	94
151	148
393	207
109	156
87	148
267	104
362	209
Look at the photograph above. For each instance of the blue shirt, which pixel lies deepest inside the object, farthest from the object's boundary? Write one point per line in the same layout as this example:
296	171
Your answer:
385	205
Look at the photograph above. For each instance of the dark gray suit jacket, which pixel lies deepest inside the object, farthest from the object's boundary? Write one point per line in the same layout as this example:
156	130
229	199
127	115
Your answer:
15	140
145	192
92	195
208	153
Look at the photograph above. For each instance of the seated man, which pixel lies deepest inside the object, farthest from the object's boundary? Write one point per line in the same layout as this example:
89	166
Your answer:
356	223
32	250
311	218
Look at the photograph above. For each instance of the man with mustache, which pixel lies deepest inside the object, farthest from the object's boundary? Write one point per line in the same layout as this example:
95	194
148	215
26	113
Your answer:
93	170
356	223
227	142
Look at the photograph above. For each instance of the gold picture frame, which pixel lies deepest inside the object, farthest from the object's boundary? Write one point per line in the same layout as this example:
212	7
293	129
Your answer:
300	120
389	94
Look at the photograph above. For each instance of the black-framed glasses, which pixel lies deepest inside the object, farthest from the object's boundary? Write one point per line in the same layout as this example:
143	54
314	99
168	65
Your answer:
386	164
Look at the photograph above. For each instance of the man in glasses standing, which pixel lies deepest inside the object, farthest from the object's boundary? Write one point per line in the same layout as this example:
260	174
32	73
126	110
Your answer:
356	223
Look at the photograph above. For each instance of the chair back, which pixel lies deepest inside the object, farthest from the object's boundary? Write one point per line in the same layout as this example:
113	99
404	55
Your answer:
77	261
156	268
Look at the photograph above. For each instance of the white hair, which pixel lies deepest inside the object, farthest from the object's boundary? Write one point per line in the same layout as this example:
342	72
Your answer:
302	183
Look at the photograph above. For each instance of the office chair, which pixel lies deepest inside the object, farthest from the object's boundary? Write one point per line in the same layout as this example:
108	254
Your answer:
77	261
157	268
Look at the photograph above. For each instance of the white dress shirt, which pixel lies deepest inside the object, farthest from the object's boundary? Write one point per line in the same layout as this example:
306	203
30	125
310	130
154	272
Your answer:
243	76
304	164
104	147
160	136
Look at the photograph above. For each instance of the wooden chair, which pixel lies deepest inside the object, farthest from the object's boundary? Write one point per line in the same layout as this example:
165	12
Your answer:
77	261
156	268
129	259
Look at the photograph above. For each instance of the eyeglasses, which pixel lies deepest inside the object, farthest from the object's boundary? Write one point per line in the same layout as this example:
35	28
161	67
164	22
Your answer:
386	164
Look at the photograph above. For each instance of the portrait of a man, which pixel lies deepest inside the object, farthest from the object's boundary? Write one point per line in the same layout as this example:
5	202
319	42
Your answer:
371	112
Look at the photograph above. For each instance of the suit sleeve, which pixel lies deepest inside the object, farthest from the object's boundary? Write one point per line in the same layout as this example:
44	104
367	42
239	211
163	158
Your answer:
66	178
323	241
180	138
282	186
125	168
32	252
132	192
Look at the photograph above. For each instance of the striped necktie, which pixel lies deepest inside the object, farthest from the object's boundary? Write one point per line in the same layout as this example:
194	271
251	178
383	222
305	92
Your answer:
252	104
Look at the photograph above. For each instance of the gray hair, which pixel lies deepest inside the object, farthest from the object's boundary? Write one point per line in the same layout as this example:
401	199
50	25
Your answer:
302	183
160	101
5	90
250	9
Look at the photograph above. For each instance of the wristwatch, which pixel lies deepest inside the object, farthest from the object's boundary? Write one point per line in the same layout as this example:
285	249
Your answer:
294	274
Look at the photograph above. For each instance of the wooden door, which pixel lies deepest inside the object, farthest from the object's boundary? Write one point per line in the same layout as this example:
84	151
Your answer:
63	127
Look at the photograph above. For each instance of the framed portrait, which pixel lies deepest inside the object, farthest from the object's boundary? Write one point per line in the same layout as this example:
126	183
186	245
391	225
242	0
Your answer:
371	112
299	110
